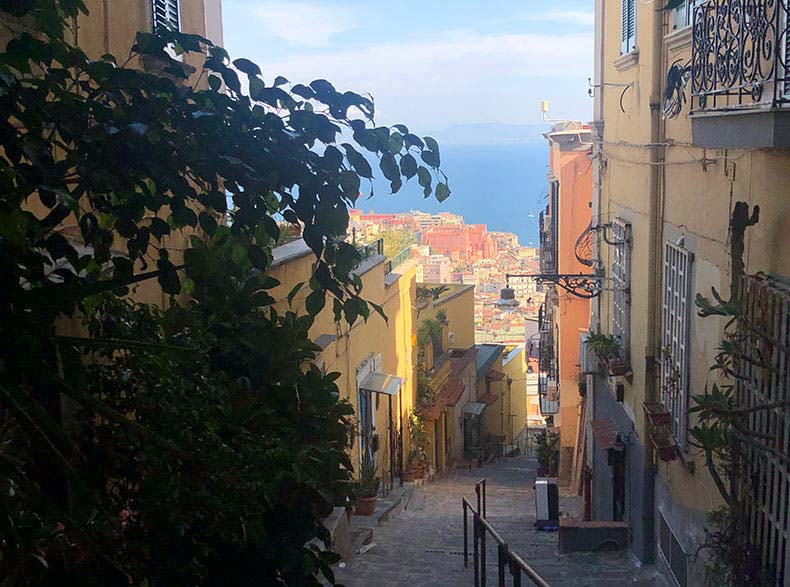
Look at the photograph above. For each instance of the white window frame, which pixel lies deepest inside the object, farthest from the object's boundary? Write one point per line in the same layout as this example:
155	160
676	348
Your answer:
684	15
676	306
165	13
628	26
621	281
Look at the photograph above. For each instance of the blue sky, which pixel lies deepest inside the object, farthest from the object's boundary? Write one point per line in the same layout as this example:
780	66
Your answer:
428	63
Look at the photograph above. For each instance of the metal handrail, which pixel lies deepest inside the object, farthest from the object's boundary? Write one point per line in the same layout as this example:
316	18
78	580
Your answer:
507	560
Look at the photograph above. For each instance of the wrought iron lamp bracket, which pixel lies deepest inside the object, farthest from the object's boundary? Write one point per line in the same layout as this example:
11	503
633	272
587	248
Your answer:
581	285
604	230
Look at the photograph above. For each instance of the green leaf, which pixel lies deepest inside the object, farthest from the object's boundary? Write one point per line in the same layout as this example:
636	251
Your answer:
189	286
442	191
294	291
315	302
408	166
358	162
247	66
424	177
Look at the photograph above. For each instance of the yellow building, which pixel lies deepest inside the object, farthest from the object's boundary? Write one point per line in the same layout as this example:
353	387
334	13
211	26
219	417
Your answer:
375	359
492	392
669	170
445	338
514	366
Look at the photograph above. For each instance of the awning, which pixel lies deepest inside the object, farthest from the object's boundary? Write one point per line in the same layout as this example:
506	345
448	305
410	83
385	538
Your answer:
494	375
381	383
454	392
488	398
604	433
474	408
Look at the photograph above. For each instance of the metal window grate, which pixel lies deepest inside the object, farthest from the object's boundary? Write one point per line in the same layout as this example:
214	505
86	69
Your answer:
165	15
621	280
672	551
764	377
628	26
676	315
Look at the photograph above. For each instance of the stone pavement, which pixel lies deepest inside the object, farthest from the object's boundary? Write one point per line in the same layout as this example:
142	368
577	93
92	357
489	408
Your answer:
423	545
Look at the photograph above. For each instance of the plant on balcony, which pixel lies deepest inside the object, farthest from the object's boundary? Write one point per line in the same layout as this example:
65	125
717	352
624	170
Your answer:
609	352
187	442
547	442
441	316
417	459
426	394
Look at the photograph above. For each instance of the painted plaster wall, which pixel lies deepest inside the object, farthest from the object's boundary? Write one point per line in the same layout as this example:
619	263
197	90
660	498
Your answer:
392	339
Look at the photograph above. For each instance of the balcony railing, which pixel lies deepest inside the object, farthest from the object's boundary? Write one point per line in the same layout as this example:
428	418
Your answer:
398	259
740	55
371	249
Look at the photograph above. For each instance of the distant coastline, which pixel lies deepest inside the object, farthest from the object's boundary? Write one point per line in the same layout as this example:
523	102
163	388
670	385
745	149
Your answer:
500	185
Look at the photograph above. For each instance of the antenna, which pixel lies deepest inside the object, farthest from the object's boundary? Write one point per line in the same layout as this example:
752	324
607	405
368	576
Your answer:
544	108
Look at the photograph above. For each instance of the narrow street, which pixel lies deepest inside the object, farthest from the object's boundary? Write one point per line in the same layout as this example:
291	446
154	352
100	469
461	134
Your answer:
423	544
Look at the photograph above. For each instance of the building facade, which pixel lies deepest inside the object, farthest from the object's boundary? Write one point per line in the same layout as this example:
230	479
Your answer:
680	140
375	359
563	224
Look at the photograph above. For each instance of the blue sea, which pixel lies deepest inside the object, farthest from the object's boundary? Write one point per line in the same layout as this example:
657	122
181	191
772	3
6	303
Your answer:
498	185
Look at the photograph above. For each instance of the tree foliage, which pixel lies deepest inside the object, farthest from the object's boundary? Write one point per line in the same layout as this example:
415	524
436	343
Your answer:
184	443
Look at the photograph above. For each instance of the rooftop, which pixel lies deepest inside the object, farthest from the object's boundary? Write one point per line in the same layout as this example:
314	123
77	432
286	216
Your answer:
487	353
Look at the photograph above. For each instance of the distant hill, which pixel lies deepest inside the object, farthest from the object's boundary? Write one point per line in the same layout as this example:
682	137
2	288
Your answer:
491	133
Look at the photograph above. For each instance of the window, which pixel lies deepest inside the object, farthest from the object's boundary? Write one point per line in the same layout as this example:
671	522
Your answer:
165	14
621	277
672	551
676	315
628	26
684	14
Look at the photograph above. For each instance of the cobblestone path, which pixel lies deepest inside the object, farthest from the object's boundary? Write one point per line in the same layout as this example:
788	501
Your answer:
423	545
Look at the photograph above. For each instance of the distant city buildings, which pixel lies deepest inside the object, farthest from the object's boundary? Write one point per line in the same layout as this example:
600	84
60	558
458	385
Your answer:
446	250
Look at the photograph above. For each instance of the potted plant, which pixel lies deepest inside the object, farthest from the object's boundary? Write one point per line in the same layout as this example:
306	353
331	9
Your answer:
367	488
607	348
417	459
547	441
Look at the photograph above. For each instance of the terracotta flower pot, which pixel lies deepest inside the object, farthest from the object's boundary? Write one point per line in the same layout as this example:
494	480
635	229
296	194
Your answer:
365	506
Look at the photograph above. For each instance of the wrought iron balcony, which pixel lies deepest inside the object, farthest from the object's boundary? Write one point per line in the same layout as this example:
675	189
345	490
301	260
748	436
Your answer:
740	63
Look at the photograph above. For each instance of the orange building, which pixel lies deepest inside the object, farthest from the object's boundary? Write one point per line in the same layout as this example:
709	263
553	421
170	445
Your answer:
468	242
566	317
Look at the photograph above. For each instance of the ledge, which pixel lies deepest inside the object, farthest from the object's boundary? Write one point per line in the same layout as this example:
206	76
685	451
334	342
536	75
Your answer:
627	61
745	128
679	39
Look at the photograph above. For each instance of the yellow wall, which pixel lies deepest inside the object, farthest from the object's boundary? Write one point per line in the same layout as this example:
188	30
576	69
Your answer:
392	340
459	304
516	392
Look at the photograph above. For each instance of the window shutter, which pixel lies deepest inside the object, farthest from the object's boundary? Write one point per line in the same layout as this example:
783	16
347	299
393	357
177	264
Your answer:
621	277
628	26
165	15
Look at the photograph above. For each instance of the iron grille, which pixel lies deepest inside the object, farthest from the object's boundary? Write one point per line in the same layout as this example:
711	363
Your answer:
165	15
676	315
740	54
672	551
763	378
621	281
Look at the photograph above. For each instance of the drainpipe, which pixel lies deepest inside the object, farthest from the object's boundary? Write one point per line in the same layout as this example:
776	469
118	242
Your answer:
598	130
657	157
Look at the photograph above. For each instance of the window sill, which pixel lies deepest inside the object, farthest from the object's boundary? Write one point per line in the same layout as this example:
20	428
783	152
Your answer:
679	39
627	61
